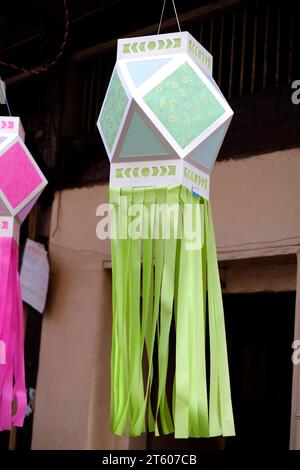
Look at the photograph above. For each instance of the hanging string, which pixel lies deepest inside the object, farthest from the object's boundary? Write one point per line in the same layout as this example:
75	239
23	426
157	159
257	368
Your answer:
4	96
57	214
162	14
45	68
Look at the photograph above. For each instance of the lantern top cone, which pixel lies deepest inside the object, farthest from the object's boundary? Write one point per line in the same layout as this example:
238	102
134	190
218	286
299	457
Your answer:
163	119
21	180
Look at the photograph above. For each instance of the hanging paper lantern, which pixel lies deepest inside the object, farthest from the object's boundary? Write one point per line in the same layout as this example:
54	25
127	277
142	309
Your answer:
162	122
21	183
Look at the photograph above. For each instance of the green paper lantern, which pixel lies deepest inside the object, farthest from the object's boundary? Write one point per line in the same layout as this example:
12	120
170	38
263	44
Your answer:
163	122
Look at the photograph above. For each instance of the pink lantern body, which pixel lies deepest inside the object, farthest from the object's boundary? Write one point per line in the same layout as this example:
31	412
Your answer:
21	183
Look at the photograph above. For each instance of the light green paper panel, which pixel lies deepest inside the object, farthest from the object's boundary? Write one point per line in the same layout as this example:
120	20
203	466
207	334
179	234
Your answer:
184	105
141	141
141	70
113	110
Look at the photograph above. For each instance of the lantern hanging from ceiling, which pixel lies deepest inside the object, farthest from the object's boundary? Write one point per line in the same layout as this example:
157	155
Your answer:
163	121
21	183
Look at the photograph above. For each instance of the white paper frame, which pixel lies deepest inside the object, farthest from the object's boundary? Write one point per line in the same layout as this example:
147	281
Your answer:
185	37
137	94
111	152
143	181
13	230
200	60
17	128
161	75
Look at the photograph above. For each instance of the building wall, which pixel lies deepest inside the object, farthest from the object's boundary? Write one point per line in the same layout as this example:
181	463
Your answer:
256	204
256	207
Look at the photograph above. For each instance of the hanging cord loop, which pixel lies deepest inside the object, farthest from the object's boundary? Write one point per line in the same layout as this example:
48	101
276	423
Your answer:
162	14
45	68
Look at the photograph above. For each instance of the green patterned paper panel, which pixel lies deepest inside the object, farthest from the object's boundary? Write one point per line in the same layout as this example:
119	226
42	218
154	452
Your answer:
184	105
113	110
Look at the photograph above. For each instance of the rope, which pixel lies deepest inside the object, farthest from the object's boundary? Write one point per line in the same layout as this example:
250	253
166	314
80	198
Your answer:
162	14
45	68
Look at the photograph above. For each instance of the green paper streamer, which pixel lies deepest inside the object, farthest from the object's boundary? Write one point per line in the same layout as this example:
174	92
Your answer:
191	410
177	278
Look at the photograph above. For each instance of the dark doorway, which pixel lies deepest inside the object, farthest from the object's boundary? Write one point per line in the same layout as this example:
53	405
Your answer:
260	330
4	440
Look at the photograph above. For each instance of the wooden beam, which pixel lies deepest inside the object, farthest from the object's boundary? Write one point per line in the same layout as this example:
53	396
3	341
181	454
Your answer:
201	12
22	76
238	254
90	52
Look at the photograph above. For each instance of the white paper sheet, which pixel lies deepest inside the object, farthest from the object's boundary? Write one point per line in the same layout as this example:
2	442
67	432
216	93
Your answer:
35	275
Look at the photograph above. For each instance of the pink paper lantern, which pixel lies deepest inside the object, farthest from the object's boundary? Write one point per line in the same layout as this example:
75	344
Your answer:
21	183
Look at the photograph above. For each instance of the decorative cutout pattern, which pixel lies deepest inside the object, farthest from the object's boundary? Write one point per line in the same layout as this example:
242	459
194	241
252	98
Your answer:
200	54
7	124
146	171
145	46
195	178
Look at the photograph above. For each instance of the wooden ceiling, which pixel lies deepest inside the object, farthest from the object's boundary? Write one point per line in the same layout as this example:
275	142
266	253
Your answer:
23	21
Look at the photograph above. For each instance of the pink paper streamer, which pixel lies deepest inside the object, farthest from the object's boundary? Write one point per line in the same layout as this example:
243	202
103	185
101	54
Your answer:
2	352
12	374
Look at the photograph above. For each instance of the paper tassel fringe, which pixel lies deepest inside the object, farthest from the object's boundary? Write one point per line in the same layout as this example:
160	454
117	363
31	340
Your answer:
12	376
176	284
